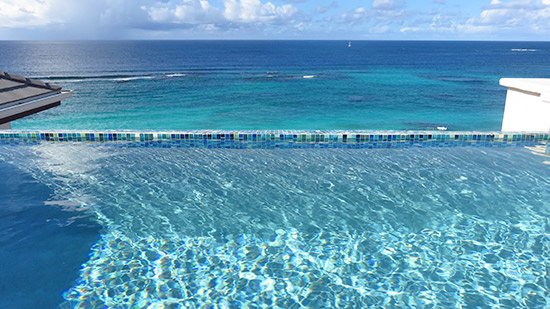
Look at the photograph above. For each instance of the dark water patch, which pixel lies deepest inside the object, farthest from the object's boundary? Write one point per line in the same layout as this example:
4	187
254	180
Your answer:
465	80
270	77
443	96
457	79
41	247
357	98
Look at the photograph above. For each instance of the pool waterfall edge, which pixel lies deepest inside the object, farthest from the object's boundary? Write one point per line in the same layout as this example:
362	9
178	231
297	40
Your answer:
272	139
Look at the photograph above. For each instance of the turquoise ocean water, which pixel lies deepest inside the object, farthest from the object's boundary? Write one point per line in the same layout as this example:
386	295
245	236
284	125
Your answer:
169	85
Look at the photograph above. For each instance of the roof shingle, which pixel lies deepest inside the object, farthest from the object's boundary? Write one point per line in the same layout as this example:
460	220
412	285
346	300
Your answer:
21	96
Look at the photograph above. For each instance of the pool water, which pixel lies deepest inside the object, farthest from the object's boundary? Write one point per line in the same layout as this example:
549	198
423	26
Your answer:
424	227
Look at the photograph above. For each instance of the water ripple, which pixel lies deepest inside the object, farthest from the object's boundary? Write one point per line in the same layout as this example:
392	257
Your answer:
309	228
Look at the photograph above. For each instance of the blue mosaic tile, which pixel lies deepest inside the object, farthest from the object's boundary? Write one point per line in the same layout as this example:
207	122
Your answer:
284	139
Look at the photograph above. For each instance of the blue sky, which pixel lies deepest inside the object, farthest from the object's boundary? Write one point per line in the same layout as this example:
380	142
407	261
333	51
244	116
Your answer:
276	19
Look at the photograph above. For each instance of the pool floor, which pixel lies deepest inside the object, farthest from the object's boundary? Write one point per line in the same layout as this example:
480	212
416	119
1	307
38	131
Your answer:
315	228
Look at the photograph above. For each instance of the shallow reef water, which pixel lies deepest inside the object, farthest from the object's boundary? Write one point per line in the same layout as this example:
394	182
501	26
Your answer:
275	85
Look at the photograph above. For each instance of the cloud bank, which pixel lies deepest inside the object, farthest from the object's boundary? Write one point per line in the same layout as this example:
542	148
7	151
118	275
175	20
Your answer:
268	19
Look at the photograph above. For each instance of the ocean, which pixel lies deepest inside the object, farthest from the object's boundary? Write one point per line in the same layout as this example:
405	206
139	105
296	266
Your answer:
184	85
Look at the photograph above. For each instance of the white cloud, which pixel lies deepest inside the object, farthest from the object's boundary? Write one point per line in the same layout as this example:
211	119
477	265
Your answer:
70	19
388	4
499	19
410	29
24	13
251	11
322	9
188	12
385	16
517	15
115	18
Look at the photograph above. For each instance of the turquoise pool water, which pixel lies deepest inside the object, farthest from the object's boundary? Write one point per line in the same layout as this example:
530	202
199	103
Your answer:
288	227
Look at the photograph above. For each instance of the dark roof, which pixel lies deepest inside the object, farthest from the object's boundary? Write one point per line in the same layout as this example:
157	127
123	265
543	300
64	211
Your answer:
26	94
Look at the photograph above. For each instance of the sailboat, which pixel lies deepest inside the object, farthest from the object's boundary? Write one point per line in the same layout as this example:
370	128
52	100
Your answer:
349	44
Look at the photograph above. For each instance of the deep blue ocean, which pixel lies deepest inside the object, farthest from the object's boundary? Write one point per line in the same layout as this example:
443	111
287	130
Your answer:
167	85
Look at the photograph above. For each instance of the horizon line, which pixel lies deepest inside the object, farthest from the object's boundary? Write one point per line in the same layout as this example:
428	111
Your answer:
273	40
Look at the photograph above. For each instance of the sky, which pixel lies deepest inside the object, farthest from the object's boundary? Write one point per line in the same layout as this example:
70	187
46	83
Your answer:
523	20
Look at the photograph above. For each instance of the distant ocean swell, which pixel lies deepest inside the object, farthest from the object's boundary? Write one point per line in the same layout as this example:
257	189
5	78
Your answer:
121	78
114	77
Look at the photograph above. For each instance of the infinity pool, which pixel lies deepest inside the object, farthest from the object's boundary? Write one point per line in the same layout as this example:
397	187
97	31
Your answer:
89	226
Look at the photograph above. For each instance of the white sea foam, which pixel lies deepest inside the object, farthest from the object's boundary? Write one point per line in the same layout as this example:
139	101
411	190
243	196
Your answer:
81	79
176	75
523	50
132	78
64	80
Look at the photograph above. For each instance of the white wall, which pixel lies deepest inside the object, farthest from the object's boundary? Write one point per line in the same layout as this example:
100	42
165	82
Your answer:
527	109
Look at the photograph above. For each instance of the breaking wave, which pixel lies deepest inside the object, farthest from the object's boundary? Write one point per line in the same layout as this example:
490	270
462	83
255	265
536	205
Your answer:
523	50
120	78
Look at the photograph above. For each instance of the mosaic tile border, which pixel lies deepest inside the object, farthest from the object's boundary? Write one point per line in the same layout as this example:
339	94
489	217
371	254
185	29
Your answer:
281	139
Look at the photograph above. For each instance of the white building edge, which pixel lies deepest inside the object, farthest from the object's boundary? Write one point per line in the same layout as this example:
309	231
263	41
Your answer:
527	105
